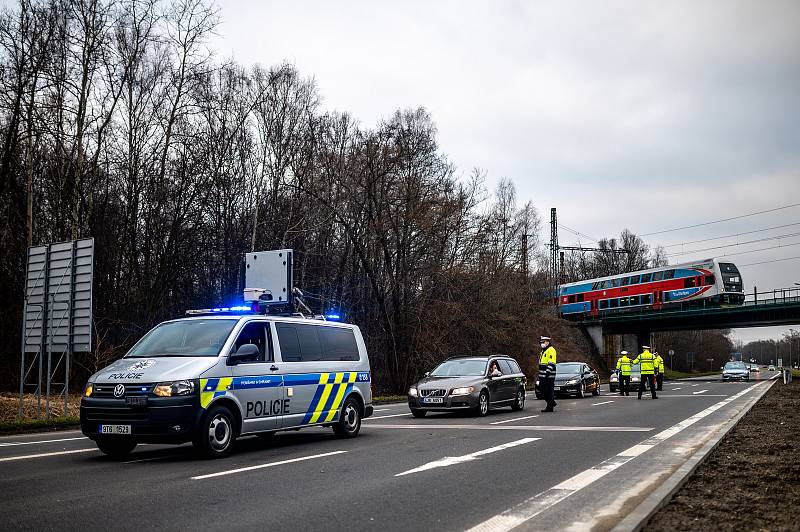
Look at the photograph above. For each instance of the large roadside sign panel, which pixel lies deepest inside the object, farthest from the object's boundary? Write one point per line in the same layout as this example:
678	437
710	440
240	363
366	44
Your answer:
58	297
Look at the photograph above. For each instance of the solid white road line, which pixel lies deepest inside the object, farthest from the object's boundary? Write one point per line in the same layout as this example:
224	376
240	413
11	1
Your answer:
513	427
43	455
510	420
537	504
270	464
603	403
701	391
384	417
694	394
453	460
15	443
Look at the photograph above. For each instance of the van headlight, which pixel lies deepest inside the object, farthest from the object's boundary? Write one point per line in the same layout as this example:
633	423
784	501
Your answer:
171	389
635	379
462	391
412	392
87	392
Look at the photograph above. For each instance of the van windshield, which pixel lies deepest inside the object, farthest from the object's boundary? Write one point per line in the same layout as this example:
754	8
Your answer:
189	338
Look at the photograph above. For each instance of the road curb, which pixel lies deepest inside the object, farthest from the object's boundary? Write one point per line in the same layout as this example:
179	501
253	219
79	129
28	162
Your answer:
660	497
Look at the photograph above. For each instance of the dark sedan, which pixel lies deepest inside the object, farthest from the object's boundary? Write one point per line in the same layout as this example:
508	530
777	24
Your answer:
574	378
469	383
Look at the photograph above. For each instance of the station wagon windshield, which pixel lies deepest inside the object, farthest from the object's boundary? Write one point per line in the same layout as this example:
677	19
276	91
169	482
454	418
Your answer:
460	368
190	338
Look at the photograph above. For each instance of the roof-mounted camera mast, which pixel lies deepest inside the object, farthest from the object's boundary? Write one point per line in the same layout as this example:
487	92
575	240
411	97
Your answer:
268	288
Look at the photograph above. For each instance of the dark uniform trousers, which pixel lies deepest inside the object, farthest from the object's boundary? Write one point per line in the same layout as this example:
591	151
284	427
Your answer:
624	384
548	386
660	381
651	381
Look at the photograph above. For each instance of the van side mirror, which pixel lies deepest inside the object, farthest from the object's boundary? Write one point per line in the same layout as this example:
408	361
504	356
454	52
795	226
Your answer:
244	353
427	373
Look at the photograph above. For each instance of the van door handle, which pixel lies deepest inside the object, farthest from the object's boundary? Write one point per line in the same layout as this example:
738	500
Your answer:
273	368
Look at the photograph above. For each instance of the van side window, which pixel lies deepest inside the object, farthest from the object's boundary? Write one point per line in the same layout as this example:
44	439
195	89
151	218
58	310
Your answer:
254	333
290	346
338	343
310	348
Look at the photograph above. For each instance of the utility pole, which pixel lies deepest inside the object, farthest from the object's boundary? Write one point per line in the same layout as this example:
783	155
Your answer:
554	273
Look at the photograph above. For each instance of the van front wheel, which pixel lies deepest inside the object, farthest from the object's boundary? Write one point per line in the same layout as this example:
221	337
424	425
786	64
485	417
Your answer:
349	423
216	433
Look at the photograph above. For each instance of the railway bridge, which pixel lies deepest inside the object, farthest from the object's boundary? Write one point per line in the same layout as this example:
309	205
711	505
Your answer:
761	309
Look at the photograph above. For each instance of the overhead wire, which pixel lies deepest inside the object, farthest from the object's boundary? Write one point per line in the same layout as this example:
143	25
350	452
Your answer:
720	220
766	239
729	236
768	261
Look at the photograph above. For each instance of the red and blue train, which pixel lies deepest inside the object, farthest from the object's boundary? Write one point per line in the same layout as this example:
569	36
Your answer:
693	284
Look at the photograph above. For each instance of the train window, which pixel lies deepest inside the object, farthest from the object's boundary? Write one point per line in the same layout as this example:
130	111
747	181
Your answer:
603	304
646	277
580	298
690	282
572	298
626	281
615	283
634	300
657	276
634	279
614	303
727	267
595	286
647	299
623	302
669	274
709	280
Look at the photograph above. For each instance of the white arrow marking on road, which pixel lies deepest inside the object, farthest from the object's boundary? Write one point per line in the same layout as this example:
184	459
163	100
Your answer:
453	460
603	403
42	455
701	391
270	464
510	420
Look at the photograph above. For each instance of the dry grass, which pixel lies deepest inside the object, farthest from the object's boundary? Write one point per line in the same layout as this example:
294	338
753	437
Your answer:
9	406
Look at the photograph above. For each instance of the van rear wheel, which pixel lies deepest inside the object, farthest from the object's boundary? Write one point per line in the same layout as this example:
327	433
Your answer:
349	423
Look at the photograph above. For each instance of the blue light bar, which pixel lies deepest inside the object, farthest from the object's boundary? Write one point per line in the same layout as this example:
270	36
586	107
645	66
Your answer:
333	317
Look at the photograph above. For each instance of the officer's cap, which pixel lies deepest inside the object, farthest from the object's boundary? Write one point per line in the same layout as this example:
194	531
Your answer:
623	352
543	338
645	347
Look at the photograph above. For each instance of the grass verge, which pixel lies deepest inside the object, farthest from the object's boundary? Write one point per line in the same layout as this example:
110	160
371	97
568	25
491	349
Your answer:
25	425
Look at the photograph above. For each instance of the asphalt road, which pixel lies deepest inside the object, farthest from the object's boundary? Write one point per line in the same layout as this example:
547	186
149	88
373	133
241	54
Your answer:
442	472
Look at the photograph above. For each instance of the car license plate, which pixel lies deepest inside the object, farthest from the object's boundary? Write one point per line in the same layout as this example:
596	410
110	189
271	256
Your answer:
556	388
115	429
136	400
433	400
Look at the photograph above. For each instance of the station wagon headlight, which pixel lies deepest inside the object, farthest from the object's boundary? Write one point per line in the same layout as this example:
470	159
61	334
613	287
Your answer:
572	381
462	391
412	392
89	389
171	389
634	379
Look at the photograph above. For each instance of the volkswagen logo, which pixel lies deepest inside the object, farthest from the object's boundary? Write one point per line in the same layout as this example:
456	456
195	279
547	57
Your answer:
119	390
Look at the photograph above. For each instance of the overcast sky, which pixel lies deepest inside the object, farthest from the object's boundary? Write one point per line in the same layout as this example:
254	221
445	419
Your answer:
640	115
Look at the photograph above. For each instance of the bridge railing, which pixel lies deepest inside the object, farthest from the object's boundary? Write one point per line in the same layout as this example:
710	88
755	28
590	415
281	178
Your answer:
774	296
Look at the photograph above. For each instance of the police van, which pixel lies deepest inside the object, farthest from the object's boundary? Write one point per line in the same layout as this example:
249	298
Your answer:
209	379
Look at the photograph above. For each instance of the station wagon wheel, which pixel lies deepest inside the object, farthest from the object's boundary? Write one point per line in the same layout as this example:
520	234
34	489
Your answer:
582	390
519	404
349	423
216	433
483	403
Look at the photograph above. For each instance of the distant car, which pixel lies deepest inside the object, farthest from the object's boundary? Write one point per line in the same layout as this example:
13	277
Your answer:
636	377
574	378
755	368
735	371
771	367
467	383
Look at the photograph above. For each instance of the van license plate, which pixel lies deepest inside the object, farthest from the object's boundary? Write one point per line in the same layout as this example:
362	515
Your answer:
136	400
434	400
115	429
556	388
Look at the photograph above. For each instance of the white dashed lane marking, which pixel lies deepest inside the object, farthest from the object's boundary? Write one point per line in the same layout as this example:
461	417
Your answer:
270	464
603	403
510	420
45	455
